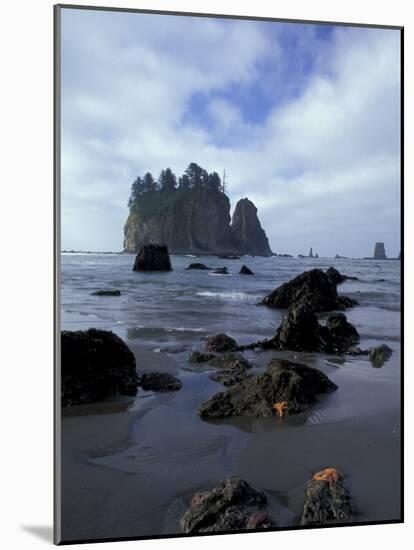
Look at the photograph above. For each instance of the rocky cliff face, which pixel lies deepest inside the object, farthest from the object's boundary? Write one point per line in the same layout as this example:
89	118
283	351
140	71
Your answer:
247	229
193	222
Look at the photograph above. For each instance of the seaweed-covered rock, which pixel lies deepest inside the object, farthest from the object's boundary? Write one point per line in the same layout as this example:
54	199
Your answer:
379	355
313	288
231	506
159	381
200	357
153	257
244	270
327	500
233	368
283	381
197	266
108	292
220	342
96	364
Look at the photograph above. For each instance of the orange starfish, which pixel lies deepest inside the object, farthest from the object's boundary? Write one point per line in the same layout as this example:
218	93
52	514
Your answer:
281	408
329	474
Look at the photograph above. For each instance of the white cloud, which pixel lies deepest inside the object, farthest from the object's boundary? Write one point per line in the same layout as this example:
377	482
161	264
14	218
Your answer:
326	158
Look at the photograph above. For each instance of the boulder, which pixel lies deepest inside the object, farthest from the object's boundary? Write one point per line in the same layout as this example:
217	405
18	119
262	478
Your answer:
292	385
153	257
221	271
159	381
339	335
299	330
312	288
197	266
107	293
96	364
327	501
220	342
231	506
233	368
245	270
199	357
379	355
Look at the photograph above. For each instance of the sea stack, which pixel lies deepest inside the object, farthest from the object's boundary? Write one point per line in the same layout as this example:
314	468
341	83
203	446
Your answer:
153	257
247	230
310	255
379	252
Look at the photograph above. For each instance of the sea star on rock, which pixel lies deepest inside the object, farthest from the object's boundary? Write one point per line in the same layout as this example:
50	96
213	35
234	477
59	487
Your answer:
281	408
330	475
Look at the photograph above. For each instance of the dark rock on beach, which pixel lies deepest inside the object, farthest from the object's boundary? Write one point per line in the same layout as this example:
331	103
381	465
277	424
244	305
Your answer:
153	257
338	334
233	368
96	364
200	357
107	293
220	342
159	381
312	288
197	266
231	506
379	355
327	500
284	388
244	270
301	331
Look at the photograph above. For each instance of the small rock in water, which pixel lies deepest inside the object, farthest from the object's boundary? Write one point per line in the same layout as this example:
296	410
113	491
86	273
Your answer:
228	257
326	499
159	381
197	266
231	506
153	257
379	355
200	357
107	293
221	271
220	342
245	270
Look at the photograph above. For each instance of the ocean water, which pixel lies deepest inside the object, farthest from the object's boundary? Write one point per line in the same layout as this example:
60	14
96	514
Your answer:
356	428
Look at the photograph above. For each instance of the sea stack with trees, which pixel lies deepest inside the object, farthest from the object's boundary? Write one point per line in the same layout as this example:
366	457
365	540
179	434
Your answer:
191	215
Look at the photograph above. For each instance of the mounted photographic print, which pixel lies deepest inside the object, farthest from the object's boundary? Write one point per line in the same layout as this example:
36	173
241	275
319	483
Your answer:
228	274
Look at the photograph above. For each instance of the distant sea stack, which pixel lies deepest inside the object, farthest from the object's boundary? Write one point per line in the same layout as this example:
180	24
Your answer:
246	228
379	252
191	216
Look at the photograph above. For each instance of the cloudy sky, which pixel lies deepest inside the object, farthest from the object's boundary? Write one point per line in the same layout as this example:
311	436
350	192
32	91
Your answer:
304	118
